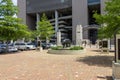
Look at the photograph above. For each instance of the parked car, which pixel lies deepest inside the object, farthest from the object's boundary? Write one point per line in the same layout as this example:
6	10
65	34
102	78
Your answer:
0	48
11	48
52	45
21	46
45	45
30	46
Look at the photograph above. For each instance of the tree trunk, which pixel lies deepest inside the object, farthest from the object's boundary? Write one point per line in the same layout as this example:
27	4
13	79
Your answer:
47	40
7	47
110	43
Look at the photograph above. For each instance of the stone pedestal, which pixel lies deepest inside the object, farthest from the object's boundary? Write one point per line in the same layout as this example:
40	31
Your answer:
116	70
79	35
58	38
39	49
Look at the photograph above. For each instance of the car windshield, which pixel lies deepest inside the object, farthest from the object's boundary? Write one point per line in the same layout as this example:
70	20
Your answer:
11	44
30	44
3	45
20	44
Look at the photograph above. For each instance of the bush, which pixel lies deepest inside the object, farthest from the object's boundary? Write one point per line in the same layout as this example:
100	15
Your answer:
72	48
56	48
76	48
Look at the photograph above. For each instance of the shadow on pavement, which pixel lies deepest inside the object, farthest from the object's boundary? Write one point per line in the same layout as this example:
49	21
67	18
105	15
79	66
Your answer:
7	53
107	77
111	51
102	61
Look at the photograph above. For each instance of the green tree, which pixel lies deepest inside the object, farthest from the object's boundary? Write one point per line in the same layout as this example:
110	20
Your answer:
45	29
11	27
110	21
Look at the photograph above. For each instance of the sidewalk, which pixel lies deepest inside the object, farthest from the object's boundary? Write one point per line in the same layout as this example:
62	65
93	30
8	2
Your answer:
34	65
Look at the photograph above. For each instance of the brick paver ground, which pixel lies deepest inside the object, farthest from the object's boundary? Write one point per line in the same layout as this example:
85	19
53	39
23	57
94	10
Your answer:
35	65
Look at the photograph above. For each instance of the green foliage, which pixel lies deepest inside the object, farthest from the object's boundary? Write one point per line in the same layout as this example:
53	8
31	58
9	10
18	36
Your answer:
56	48
45	28
72	48
110	21
11	28
7	8
76	48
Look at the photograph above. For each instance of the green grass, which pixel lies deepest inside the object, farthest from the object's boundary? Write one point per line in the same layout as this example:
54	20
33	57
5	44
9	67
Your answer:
56	48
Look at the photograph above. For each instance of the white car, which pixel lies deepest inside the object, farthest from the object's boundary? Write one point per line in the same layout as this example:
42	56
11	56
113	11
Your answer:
30	46
21	46
12	48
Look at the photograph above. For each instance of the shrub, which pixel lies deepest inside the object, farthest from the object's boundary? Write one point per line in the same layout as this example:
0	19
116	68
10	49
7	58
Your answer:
56	48
76	48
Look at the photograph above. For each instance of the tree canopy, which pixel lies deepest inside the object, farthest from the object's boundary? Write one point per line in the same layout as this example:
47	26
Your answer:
45	29
110	21
11	27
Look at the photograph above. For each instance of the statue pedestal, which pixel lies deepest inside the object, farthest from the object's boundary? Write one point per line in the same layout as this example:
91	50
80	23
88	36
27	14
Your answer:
39	49
59	38
116	70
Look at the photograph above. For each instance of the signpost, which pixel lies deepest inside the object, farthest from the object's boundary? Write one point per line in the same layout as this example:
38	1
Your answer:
58	38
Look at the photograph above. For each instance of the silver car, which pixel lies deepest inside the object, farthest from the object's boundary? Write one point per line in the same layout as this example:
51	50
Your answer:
21	46
30	46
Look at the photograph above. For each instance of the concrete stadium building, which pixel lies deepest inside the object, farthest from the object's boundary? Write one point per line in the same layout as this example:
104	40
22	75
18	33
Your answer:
65	16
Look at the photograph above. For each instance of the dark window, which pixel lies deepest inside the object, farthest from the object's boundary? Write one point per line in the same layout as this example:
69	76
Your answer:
118	49
93	1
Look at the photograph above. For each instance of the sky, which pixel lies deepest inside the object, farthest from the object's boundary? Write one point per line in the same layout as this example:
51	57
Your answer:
15	2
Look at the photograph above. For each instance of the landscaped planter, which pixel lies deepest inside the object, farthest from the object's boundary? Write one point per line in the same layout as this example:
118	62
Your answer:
62	51
116	70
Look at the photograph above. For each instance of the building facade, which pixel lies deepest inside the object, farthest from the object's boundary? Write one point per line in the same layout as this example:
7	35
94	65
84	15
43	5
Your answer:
65	15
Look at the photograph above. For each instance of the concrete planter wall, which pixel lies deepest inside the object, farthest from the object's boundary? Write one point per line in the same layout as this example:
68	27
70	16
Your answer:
66	51
116	70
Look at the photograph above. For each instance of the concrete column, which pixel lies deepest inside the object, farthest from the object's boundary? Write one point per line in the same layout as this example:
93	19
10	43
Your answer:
37	19
56	22
109	44
38	40
22	10
103	6
59	38
79	15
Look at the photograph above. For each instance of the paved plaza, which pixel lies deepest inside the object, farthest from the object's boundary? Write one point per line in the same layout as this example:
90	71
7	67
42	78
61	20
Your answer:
35	65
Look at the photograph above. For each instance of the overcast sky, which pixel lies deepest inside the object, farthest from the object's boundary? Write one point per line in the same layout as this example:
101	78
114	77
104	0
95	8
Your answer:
15	2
